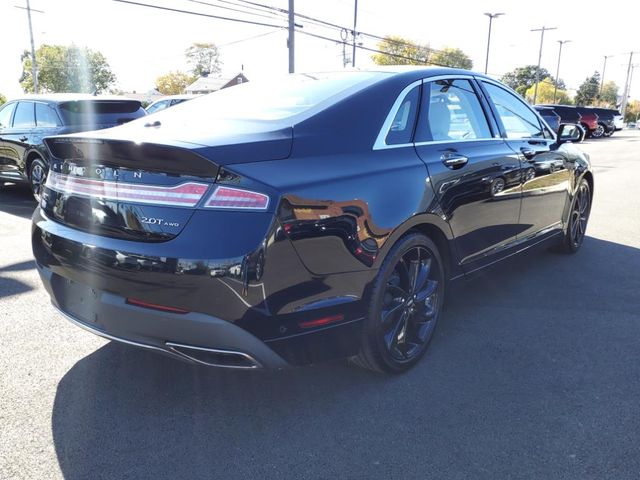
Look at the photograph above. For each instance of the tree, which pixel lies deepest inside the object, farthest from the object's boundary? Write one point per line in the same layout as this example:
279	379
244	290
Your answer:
451	57
67	69
522	78
608	97
174	83
400	51
3	99
632	113
588	91
204	59
546	88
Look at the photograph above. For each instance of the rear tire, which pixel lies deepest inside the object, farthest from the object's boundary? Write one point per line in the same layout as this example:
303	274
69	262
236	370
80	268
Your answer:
37	176
598	132
578	219
404	306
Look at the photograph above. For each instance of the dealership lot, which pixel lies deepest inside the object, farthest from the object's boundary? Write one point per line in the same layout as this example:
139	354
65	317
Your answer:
535	375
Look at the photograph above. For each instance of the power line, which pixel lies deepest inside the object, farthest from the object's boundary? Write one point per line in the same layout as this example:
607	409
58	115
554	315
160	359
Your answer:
246	12
188	12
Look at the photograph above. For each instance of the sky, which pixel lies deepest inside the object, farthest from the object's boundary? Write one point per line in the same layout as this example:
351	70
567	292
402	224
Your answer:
142	43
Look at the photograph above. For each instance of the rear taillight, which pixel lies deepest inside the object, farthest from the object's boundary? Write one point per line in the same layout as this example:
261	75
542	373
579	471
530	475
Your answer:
235	198
186	194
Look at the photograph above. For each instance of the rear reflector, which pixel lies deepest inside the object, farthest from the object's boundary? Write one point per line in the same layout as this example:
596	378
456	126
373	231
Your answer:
227	197
185	194
321	321
154	306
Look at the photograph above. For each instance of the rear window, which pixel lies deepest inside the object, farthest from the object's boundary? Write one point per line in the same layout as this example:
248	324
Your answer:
100	112
275	99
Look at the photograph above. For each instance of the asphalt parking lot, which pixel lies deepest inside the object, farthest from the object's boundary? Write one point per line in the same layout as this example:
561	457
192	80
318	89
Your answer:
533	373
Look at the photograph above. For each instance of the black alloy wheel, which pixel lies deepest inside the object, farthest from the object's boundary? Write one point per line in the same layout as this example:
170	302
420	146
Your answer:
405	306
37	177
578	218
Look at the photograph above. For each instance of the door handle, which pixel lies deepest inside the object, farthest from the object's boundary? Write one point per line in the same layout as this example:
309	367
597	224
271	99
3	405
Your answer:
528	153
454	160
23	139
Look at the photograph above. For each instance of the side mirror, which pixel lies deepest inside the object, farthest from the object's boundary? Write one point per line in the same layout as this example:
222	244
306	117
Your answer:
570	132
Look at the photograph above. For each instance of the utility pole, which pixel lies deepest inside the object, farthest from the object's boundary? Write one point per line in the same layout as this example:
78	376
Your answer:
604	69
291	40
541	30
625	93
491	17
355	22
555	89
34	63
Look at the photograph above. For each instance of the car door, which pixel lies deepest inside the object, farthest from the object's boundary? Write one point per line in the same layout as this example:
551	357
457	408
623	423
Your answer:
546	169
6	114
476	176
17	138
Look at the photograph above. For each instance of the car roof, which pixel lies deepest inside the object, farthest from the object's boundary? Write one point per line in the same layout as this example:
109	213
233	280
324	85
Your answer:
70	97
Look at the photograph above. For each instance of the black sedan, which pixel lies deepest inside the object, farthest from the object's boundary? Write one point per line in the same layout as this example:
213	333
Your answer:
25	122
315	217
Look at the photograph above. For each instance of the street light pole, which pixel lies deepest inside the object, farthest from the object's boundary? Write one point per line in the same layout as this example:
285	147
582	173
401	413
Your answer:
291	42
541	30
491	17
555	89
604	69
625	93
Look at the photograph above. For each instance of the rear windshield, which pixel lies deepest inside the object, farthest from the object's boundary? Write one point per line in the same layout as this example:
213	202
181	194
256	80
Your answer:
100	112
275	99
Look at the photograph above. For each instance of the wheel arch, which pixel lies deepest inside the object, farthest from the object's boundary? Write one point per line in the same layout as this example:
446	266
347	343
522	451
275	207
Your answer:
437	230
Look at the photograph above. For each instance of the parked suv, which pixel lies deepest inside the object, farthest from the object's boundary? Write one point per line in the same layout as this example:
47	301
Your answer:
26	121
568	113
550	116
589	121
606	120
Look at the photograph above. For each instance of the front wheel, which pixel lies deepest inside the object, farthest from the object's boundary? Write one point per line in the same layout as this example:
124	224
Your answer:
404	306
578	219
37	177
598	132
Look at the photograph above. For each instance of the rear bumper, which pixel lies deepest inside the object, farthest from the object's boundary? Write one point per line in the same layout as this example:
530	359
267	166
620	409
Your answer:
193	337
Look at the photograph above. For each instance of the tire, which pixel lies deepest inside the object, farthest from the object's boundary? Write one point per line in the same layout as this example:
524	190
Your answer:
578	219
497	186
598	132
404	305
37	176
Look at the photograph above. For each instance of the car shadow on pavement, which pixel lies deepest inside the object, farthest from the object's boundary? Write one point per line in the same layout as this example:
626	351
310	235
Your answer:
11	286
522	374
16	200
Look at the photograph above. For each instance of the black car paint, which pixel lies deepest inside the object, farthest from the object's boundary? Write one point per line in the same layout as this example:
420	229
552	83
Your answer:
337	207
19	146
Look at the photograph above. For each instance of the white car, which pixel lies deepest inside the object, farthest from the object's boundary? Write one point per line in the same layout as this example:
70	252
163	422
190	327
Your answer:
168	101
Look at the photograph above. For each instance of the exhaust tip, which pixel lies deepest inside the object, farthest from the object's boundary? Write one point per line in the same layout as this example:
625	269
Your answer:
214	357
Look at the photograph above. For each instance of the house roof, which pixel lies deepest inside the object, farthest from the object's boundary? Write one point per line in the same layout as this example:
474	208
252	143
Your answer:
212	84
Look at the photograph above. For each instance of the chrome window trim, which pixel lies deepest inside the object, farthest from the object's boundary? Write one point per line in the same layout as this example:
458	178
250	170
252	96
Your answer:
381	143
381	140
463	140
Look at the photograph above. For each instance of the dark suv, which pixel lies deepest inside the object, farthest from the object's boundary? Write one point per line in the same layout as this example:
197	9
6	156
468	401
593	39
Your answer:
26	121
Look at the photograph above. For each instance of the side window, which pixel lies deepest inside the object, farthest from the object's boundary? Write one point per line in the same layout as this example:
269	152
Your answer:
24	116
401	129
5	114
452	111
518	119
46	116
156	107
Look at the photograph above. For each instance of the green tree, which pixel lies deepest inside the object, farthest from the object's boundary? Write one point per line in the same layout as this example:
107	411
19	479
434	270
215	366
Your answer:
451	57
67	69
400	51
608	97
3	99
522	78
546	88
588	92
632	113
204	59
174	83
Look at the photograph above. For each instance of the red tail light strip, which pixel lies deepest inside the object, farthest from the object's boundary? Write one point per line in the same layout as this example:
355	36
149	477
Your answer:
227	197
185	195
